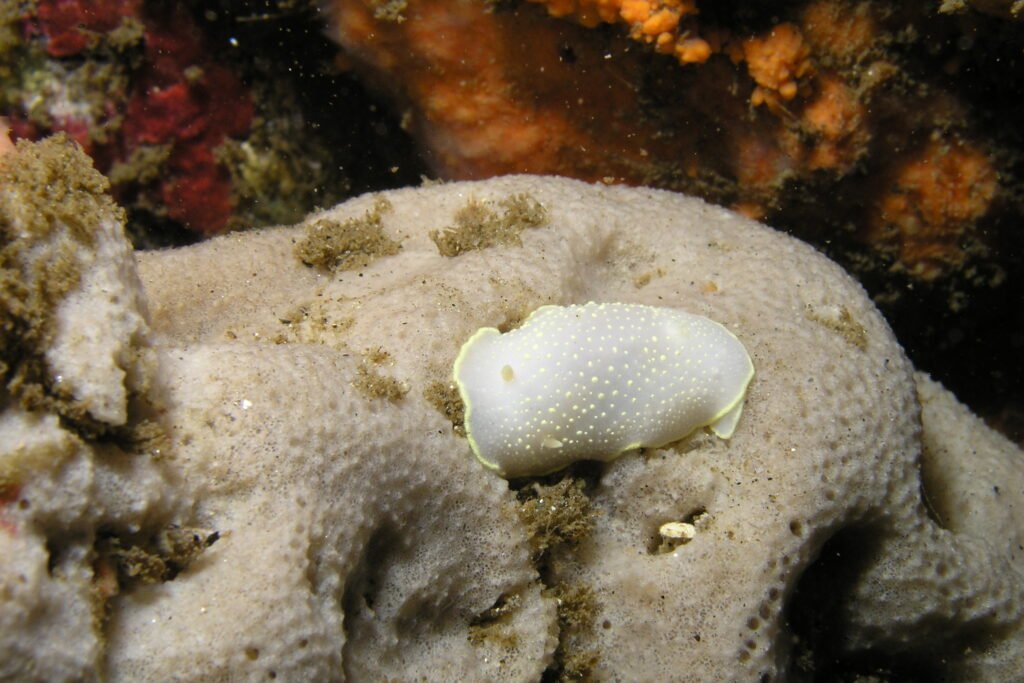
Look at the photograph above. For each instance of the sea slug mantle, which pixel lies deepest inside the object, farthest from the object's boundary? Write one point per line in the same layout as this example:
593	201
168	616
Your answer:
594	381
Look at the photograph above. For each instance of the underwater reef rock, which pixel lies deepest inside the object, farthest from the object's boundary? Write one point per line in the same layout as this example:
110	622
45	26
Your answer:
313	511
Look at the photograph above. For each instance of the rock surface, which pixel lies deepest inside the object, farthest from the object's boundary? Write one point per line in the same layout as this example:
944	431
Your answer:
311	426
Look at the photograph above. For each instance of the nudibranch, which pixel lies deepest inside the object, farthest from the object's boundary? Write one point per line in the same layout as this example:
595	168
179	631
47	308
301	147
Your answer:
596	380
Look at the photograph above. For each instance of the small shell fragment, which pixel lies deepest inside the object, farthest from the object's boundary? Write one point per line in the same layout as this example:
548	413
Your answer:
681	531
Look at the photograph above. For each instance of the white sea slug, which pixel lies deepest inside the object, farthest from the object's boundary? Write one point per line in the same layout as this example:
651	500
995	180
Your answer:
594	381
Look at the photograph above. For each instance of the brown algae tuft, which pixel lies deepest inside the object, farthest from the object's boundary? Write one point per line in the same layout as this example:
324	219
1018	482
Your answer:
577	609
842	322
347	245
555	514
444	396
492	624
481	224
155	559
374	384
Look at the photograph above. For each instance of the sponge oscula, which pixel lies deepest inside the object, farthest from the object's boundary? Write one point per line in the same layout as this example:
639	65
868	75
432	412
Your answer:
594	381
